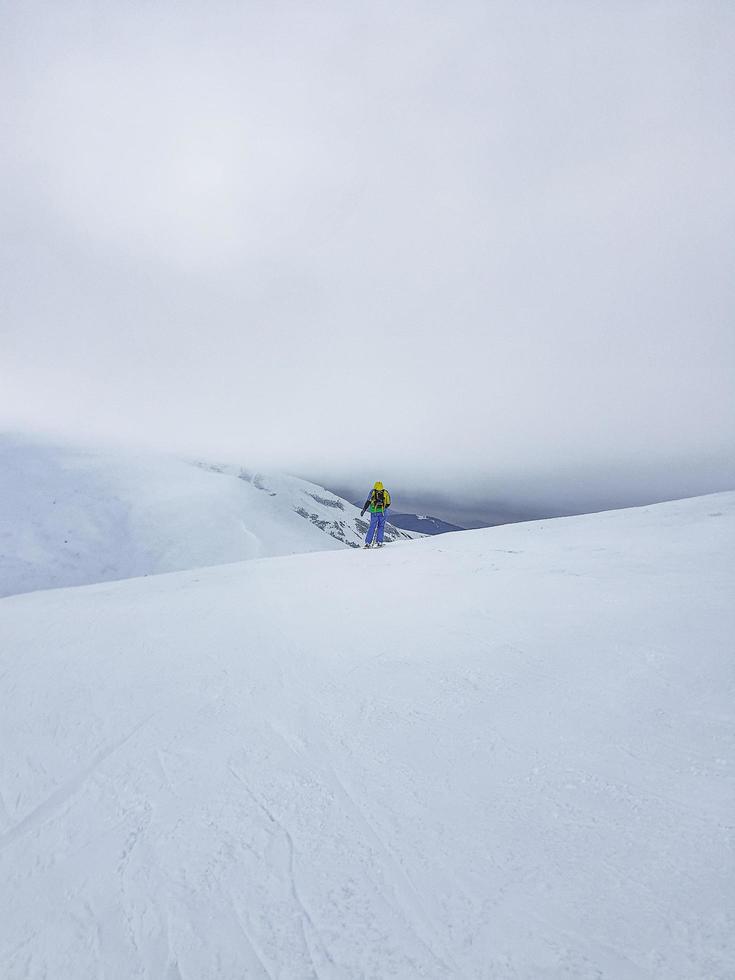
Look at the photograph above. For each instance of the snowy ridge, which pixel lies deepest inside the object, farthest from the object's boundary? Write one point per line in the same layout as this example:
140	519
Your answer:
74	517
496	753
332	514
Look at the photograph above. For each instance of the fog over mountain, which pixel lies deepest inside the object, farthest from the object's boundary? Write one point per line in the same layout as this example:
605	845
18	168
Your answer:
480	500
481	252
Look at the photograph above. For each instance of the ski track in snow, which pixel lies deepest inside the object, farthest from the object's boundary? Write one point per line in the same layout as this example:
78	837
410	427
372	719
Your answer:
59	797
501	754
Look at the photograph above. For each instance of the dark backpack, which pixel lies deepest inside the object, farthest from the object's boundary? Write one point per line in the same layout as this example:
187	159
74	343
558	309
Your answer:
379	498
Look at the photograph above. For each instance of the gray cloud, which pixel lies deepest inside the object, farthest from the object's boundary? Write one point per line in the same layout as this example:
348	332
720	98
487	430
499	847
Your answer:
486	246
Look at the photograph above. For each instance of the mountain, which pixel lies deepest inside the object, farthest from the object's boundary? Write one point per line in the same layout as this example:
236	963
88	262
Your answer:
422	523
500	753
419	523
75	516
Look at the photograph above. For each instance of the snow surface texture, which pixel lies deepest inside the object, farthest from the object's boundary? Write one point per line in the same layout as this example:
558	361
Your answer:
73	517
496	753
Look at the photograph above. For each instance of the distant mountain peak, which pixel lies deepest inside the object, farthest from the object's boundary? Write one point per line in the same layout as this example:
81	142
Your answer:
422	523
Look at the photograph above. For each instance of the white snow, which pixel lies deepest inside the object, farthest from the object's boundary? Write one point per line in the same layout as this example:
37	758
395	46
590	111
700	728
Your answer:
497	753
75	516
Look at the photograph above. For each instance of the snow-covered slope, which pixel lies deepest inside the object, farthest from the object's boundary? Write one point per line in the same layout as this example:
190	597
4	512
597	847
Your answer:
497	753
72	517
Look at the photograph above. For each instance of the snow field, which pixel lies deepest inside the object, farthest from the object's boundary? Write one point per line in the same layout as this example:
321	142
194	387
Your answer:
498	753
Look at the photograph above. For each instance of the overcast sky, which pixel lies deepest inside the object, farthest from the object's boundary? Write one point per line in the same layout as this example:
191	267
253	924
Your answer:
479	246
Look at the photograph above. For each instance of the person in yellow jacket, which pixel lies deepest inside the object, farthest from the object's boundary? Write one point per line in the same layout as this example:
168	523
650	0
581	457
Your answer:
378	503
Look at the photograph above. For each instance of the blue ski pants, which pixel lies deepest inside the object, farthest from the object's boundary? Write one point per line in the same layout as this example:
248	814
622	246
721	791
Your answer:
377	523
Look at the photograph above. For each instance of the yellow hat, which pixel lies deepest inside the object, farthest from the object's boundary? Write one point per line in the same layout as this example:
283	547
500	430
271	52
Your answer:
378	486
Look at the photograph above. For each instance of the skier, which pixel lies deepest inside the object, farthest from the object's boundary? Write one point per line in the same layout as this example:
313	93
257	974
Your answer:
378	501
